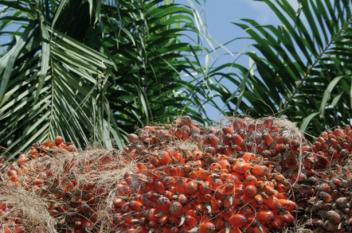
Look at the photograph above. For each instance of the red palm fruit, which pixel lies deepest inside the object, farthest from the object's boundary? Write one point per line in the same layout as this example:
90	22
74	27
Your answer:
268	123
236	230
247	156
177	156
168	194
268	189
225	176
279	178
212	140
152	214
251	180
154	160
165	158
268	139
259	199
14	178
224	163
59	140
228	188
237	220
250	191
12	172
241	167
21	160
204	187
206	227
280	147
272	202
281	196
228	130
118	202
282	188
237	139
239	124
325	187
191	221
288	204
287	217
181	185
259	170
265	216
38	182
142	168
215	204
136	205
159	187
339	133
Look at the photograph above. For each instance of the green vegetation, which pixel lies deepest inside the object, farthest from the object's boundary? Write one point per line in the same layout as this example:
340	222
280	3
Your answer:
301	69
94	70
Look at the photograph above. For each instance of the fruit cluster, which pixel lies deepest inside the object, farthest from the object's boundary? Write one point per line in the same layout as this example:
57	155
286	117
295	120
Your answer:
278	140
331	149
182	191
22	178
72	185
247	176
326	196
188	180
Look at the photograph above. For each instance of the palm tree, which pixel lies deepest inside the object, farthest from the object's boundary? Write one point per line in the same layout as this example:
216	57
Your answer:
91	70
301	68
144	40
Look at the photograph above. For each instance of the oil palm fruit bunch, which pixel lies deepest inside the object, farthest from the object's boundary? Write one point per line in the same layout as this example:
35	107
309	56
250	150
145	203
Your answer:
278	140
73	187
186	178
186	183
22	208
325	197
331	150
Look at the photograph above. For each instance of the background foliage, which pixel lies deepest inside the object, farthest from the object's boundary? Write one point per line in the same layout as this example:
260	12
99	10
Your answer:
301	69
94	70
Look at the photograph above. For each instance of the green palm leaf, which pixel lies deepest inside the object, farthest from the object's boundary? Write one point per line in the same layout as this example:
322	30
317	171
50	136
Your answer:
143	38
49	83
302	66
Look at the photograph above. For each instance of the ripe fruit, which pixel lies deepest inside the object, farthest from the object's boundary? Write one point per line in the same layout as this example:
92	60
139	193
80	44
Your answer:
185	178
59	140
206	227
265	216
238	220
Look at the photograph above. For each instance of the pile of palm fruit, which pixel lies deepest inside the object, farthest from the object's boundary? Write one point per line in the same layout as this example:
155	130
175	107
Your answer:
246	176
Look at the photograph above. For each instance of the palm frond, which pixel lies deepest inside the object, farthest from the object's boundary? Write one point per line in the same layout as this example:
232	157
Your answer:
49	82
302	66
143	38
